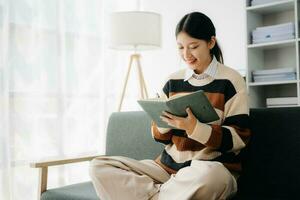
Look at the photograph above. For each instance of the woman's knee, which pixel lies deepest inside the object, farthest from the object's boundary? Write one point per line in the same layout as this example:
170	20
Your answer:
217	182
217	175
99	168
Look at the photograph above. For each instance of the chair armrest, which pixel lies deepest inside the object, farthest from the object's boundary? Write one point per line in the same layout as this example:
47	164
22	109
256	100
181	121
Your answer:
43	168
62	161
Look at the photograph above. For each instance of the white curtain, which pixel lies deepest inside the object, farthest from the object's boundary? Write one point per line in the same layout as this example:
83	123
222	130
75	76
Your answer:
51	90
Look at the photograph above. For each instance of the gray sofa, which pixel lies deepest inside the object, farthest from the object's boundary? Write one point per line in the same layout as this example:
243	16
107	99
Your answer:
271	161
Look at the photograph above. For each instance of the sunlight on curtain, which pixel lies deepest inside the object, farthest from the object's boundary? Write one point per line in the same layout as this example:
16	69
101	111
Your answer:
5	158
52	83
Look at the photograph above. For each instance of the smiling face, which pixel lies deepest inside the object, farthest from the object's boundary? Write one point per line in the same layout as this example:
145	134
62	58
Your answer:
195	52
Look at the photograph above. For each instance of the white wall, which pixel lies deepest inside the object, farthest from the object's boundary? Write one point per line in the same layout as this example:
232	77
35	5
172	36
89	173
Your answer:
228	17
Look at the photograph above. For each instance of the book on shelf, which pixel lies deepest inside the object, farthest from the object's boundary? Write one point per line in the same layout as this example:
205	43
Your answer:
280	74
282	101
278	77
261	2
270	38
287	27
197	101
273	33
274	71
283	105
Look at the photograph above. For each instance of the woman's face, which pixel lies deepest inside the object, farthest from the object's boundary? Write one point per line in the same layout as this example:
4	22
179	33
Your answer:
195	52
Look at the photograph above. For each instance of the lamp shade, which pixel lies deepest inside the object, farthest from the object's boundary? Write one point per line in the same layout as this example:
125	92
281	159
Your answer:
135	30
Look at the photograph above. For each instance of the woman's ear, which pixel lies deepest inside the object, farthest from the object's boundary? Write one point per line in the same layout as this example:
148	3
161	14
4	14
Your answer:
212	42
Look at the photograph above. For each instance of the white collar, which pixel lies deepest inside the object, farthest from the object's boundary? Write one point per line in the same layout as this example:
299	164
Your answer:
211	70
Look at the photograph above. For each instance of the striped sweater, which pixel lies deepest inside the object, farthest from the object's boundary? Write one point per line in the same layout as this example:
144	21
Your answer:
220	140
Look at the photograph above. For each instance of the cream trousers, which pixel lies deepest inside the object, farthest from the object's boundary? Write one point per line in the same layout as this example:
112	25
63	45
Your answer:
122	178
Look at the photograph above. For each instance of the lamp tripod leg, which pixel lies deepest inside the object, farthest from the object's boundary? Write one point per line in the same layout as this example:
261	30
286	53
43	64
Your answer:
125	83
143	88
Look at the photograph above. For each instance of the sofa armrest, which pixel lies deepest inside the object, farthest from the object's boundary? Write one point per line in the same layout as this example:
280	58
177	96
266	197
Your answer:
62	161
44	164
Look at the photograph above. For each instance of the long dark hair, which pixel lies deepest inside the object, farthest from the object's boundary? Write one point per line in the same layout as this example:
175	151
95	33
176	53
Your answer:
199	26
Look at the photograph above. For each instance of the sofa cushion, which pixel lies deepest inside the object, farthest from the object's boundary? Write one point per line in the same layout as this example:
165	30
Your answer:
272	159
129	134
80	191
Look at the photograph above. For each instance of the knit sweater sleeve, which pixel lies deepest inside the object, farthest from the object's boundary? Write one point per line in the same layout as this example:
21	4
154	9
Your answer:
159	134
233	133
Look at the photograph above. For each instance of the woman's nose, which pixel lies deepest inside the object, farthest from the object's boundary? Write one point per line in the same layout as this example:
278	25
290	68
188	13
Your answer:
186	54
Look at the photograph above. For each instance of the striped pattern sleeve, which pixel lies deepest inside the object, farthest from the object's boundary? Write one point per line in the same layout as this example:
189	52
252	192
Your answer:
159	134
233	134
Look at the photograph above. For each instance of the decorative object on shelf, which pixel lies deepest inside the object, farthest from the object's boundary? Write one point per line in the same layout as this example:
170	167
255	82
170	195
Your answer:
135	31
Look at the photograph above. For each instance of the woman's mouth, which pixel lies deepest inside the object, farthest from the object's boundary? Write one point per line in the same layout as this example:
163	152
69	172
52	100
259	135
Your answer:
190	62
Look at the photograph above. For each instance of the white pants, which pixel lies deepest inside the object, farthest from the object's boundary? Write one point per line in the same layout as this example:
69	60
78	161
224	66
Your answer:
122	178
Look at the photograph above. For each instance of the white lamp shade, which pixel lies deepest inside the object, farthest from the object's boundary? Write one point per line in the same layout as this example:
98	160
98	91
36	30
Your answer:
135	30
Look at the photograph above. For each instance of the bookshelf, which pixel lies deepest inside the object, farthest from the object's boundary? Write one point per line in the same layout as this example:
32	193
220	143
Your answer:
272	55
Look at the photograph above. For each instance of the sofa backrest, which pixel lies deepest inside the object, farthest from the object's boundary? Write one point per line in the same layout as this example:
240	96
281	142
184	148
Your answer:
271	169
129	134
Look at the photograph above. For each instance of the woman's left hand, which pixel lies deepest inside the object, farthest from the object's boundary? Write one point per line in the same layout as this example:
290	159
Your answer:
185	123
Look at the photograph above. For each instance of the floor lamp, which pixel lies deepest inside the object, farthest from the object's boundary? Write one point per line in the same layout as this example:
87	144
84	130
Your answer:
135	31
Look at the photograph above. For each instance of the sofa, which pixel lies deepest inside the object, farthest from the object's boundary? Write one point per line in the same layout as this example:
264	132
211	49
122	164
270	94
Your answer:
271	161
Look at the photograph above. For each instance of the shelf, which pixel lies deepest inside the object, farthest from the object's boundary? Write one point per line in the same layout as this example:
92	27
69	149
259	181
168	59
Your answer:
272	45
275	54
272	83
279	6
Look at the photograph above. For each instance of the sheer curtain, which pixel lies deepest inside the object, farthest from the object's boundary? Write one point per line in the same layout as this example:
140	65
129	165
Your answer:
51	90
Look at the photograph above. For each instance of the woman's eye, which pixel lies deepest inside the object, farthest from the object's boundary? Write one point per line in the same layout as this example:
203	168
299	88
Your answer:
194	47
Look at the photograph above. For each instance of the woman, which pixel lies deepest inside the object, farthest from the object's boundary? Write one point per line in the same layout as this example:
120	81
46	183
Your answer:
200	161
